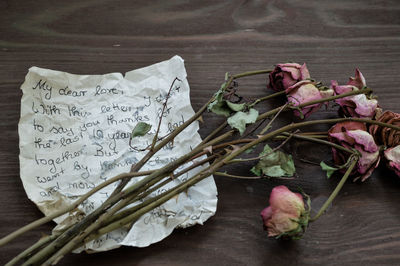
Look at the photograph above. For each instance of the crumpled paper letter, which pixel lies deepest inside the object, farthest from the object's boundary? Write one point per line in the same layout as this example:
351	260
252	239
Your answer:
74	134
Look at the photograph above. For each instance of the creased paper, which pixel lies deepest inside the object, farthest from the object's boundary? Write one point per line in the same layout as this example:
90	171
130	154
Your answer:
74	134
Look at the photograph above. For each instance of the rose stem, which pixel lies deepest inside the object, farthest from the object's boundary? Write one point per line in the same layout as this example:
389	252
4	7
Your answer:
335	192
251	73
215	132
69	208
43	241
236	176
257	101
158	185
268	126
152	189
152	203
262	156
313	139
162	113
78	239
89	224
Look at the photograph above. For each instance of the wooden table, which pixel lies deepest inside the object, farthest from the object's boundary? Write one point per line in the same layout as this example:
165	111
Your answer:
332	37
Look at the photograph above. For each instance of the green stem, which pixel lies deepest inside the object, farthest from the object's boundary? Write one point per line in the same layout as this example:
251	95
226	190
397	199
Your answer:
320	141
215	132
236	176
276	94
251	73
156	201
262	156
311	136
69	208
86	226
155	139
43	241
335	192
268	126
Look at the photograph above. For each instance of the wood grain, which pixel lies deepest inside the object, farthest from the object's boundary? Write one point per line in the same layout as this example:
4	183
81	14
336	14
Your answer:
333	37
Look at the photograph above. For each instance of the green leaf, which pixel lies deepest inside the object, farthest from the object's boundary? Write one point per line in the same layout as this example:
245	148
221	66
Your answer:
240	119
219	105
140	129
274	164
329	169
236	106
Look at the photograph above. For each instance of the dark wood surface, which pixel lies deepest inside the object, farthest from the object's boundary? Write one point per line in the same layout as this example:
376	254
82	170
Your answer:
332	37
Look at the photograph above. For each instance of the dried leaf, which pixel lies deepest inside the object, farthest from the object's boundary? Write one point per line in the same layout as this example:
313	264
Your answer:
140	129
219	105
236	106
274	164
241	119
329	169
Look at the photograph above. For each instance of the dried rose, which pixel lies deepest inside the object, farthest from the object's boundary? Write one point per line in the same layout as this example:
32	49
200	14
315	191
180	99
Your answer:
286	215
306	91
285	75
353	135
359	105
384	135
392	155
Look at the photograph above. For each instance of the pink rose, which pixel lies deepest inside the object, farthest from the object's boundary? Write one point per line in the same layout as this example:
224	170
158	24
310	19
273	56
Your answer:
357	105
306	91
286	214
392	155
285	75
353	135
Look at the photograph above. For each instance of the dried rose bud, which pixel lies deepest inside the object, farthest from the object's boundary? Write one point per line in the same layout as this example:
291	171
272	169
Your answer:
353	135
392	155
286	215
384	135
306	91
285	75
359	105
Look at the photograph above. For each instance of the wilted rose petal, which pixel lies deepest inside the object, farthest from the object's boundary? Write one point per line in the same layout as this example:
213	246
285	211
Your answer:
359	105
392	155
306	91
358	81
285	75
353	135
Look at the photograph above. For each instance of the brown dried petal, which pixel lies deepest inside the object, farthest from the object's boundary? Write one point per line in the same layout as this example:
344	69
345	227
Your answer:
387	136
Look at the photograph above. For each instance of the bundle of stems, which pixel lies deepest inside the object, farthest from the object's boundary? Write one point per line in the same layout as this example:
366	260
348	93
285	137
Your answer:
226	147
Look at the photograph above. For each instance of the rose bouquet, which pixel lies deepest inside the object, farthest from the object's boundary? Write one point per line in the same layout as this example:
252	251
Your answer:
359	137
